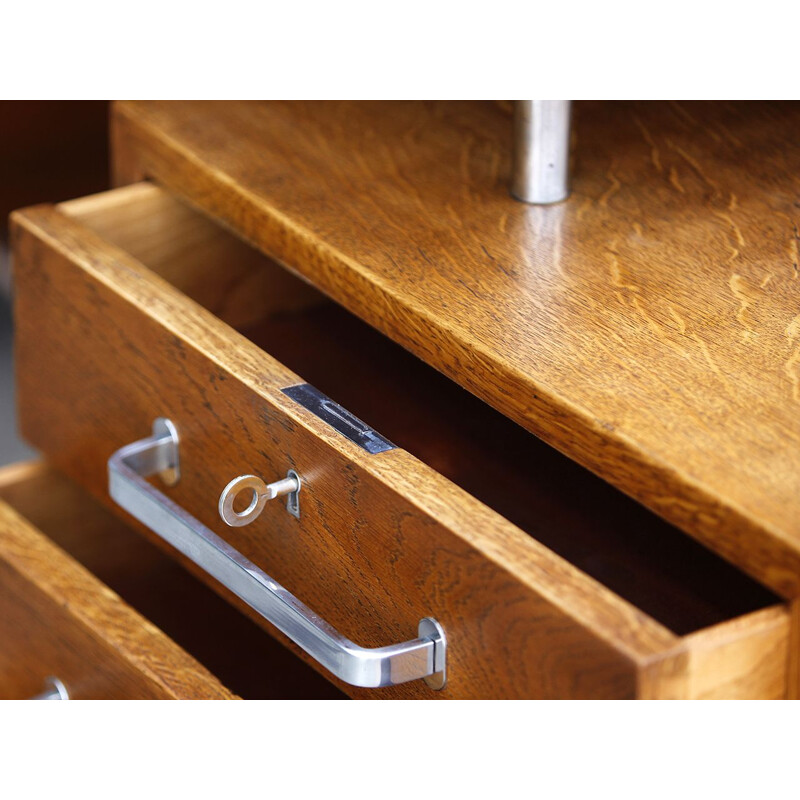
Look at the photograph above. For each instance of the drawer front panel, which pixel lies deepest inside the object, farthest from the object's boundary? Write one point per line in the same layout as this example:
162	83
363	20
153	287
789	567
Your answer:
104	347
57	619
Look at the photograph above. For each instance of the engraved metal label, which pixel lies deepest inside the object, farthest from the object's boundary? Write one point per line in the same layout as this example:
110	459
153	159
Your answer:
339	418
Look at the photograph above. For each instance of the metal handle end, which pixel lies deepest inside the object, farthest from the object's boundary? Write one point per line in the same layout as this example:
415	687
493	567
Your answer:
429	628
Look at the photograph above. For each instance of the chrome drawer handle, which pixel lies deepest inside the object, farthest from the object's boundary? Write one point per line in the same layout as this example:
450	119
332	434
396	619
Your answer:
423	657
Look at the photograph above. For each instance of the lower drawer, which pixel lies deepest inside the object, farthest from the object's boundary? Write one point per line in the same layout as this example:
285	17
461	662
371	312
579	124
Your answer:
86	600
548	583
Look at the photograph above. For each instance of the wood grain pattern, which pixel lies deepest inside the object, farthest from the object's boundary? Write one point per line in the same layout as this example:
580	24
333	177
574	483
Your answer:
223	274
105	345
720	663
57	619
793	687
648	327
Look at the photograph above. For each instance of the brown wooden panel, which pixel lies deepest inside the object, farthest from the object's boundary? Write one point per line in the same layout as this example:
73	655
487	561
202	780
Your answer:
57	619
747	658
104	346
234	281
647	327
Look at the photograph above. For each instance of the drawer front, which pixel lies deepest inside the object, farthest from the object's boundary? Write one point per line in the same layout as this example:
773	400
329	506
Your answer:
57	619
104	346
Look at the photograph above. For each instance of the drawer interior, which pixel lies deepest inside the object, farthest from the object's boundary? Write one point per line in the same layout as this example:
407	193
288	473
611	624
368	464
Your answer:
597	528
609	536
236	650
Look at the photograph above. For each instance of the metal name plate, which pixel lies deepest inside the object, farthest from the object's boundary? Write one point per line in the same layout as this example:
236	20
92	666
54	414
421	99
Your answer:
339	418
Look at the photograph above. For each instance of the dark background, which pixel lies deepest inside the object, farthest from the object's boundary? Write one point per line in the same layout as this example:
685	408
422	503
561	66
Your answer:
49	152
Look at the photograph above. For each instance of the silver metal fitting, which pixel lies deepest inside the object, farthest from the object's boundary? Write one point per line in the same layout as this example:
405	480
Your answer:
541	150
260	493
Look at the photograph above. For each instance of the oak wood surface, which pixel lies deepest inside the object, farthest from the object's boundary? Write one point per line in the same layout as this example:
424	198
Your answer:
57	619
647	327
793	680
233	648
224	275
105	345
720	663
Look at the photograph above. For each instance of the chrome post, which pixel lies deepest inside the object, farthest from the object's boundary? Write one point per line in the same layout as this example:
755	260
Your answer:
541	150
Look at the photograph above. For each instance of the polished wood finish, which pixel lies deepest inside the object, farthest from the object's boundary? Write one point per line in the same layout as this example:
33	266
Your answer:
105	345
223	274
57	619
648	327
720	664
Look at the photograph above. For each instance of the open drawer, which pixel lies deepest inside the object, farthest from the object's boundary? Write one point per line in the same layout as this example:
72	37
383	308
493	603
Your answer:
88	601
547	582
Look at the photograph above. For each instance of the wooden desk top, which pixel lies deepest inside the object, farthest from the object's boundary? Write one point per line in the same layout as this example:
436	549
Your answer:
649	327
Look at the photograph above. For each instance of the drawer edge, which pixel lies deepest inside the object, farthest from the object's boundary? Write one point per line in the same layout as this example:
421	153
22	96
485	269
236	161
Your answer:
100	612
744	658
